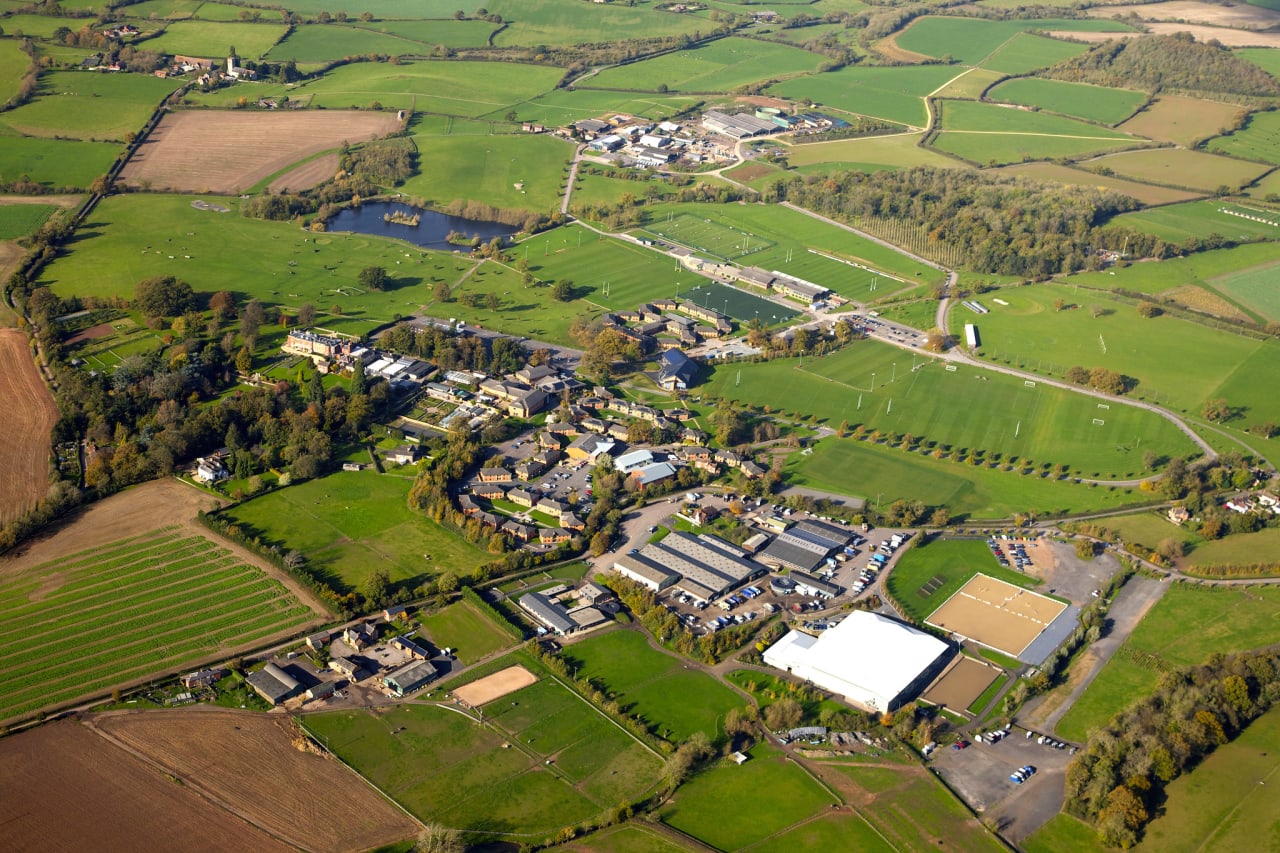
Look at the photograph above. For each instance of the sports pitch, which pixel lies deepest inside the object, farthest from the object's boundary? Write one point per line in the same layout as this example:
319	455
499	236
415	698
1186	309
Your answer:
996	614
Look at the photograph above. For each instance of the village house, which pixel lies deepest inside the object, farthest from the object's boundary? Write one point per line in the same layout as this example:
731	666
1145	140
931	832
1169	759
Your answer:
345	667
361	636
319	642
405	454
211	469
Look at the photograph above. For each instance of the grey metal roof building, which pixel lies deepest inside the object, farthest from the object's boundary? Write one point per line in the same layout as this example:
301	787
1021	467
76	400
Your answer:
807	584
838	536
548	612
798	549
410	677
644	571
707	566
273	683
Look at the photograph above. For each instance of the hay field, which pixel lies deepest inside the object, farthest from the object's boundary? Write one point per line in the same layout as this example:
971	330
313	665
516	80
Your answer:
64	788
230	152
1179	167
1145	193
27	414
1181	120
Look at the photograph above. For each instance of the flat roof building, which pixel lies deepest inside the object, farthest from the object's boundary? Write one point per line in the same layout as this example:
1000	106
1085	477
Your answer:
873	661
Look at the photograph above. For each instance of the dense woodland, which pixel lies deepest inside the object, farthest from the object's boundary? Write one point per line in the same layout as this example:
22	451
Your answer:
1174	62
1118	781
1009	226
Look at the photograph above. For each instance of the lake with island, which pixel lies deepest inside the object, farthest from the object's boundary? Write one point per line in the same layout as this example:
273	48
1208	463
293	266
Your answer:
431	232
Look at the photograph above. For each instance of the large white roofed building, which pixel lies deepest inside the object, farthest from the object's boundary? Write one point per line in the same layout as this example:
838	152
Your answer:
872	661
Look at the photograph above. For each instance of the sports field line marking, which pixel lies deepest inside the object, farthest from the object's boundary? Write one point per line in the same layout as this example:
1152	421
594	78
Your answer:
1229	815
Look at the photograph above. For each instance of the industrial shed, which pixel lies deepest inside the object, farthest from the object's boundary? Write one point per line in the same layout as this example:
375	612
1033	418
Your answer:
875	662
410	677
273	683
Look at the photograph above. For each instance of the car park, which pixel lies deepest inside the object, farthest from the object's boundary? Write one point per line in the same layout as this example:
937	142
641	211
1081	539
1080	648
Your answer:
960	744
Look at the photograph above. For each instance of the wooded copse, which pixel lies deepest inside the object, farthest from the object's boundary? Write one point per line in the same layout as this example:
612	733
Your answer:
1010	226
1118	781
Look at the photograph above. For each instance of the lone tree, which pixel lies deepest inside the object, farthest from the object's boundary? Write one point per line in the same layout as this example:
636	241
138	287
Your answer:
562	291
306	314
374	278
164	296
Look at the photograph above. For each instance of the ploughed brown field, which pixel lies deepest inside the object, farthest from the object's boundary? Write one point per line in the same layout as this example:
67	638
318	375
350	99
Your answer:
250	764
230	151
62	787
27	414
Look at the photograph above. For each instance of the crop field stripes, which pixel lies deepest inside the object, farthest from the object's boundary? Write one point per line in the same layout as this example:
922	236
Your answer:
132	608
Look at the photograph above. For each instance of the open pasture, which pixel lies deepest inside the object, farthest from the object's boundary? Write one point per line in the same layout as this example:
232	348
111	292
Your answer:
525	310
1025	52
511	172
710	805
543	759
977	117
971	40
885	474
970	85
85	106
134	236
322	42
1198	269
466	89
214	39
786	232
38	27
672	699
1092	103
996	614
1254	288
1181	120
120	801
170	10
719	66
350	521
1258	140
563	106
1001	415
893	93
1240	548
1178	167
1184	628
933	571
205	151
13	64
993	148
1265	58
1227	802
1177	223
27	414
869	154
139	606
566	22
1145	193
18	219
470	632
1177	363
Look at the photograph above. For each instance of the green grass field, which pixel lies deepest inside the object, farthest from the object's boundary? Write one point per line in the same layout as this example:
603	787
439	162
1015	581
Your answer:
95	107
720	66
1092	103
784	232
1226	803
884	475
1264	58
1148	529
1178	167
349	522
1239	549
153	603
512	172
1182	362
19	220
1026	52
1184	628
656	687
168	9
467	630
893	93
36	26
976	117
1253	288
870	154
131	237
1177	223
624	838
710	806
1145	193
562	106
215	38
13	64
993	148
320	42
955	561
1001	413
1259	140
442	766
1063	834
971	40
1212	267
913	811
467	89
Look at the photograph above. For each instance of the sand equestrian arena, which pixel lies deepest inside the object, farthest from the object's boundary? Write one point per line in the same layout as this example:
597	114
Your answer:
996	614
230	151
961	683
495	686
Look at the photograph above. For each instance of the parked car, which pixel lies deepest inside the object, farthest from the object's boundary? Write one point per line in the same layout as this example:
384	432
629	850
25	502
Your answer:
960	744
